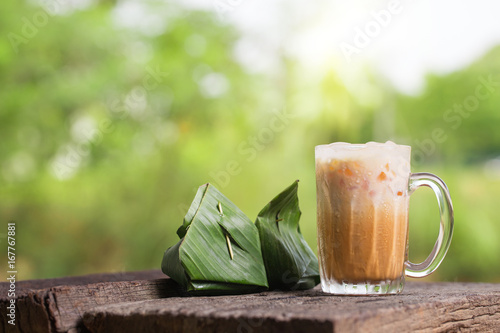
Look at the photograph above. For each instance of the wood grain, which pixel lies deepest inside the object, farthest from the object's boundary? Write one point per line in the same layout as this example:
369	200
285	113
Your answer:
423	307
146	302
57	305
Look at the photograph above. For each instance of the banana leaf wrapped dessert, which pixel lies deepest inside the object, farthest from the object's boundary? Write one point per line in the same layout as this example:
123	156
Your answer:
290	262
219	249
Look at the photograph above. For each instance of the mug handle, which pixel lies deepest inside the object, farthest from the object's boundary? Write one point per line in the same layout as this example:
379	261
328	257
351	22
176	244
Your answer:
443	241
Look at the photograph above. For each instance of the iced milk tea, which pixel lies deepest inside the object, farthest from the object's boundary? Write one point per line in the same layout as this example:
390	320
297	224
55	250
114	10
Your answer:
362	197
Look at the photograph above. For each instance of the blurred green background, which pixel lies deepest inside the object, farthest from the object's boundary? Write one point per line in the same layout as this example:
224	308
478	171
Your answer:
113	113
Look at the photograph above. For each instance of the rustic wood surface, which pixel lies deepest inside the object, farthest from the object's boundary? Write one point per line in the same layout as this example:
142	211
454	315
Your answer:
57	305
436	307
27	285
145	302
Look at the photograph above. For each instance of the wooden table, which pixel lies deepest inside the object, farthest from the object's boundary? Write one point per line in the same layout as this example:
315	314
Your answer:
149	302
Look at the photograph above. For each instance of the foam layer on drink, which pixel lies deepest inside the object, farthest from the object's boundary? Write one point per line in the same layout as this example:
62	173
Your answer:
362	211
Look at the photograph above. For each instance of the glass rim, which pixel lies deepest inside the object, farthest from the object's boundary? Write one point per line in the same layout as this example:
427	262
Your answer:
359	150
359	146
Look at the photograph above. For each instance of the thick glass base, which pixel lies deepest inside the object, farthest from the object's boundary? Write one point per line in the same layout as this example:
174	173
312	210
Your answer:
363	288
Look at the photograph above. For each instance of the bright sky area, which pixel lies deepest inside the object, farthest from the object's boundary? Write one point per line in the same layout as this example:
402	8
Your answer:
402	39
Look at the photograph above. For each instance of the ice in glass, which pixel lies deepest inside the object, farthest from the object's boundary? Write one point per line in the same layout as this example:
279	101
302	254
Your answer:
362	216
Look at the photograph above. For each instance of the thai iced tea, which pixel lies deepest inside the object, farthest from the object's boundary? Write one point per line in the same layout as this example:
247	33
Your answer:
362	197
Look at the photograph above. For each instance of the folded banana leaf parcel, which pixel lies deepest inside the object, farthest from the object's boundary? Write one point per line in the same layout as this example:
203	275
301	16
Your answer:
219	250
222	252
290	262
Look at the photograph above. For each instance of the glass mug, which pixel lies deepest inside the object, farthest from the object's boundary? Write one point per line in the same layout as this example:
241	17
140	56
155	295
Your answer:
363	193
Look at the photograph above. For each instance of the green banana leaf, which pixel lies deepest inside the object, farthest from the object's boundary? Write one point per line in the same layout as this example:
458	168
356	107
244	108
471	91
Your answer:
290	262
219	251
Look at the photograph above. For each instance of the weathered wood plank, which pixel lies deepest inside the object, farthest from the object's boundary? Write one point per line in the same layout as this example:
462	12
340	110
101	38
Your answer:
427	307
57	305
26	285
139	302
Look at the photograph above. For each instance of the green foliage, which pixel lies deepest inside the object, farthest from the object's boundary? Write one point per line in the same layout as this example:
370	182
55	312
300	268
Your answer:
108	130
453	104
